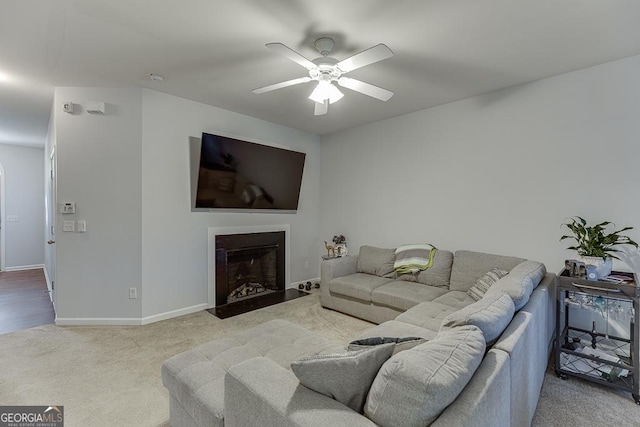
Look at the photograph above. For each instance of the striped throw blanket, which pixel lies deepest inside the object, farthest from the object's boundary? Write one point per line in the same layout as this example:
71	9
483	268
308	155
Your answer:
413	258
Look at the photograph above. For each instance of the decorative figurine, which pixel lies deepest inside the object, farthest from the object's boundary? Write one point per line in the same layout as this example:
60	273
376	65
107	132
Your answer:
331	251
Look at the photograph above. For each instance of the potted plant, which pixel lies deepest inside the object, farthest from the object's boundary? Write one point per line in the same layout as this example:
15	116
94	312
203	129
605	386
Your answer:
594	246
340	245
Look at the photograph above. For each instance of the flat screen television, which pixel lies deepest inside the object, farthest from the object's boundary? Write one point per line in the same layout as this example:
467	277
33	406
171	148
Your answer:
244	176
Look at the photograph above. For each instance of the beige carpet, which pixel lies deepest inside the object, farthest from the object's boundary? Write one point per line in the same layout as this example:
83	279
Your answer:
106	376
575	402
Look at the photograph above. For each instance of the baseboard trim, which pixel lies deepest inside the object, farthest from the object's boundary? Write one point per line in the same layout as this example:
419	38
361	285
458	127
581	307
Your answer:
173	313
24	267
127	321
97	321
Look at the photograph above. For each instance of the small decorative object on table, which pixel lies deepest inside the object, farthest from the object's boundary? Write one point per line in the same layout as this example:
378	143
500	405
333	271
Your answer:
593	246
340	243
338	249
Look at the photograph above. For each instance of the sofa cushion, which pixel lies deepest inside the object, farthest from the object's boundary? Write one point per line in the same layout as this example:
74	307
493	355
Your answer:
345	377
376	261
482	285
195	378
469	266
520	282
427	315
399	344
413	387
404	295
491	314
455	299
437	275
358	285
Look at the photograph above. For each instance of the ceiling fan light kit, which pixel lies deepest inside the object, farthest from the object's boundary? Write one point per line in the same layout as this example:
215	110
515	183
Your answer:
326	91
325	70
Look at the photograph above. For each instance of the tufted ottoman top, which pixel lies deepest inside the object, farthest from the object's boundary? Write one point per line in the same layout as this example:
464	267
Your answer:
195	378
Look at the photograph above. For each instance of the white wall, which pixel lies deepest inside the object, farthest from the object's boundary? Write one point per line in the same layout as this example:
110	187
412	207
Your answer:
129	173
24	197
174	239
99	167
498	172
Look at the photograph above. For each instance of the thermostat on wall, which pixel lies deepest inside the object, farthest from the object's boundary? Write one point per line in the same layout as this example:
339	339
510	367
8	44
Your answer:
67	208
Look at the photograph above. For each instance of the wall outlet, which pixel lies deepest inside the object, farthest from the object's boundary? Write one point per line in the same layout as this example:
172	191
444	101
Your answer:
133	293
306	264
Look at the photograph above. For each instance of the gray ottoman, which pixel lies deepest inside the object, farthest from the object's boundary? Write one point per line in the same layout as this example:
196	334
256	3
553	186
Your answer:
195	378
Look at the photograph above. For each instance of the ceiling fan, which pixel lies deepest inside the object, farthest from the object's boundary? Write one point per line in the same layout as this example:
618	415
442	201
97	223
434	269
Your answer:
325	70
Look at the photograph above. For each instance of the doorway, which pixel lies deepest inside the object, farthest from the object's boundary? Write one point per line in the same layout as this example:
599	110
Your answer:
50	208
2	218
24	298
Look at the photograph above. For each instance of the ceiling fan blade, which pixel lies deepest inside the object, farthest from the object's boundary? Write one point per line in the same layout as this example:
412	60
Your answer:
366	88
321	108
291	54
369	56
281	85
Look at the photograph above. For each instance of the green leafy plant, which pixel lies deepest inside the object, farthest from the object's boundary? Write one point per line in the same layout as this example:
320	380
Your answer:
592	241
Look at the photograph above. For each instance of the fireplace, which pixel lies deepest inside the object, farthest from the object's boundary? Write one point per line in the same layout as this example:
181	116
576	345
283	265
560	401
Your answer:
248	266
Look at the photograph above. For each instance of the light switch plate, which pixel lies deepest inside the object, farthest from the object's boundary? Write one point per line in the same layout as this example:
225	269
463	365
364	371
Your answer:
68	225
12	218
82	226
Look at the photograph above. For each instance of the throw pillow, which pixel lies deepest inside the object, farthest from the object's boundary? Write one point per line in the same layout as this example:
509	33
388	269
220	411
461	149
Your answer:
376	261
491	314
521	282
400	344
415	386
345	377
482	285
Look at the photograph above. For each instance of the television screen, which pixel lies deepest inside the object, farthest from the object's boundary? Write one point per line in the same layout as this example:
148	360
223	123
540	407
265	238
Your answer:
242	175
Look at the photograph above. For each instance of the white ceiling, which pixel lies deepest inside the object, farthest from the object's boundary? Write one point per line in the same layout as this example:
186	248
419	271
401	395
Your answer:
213	51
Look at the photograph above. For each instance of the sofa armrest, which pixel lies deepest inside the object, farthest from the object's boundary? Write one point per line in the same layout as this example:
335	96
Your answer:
485	401
259	392
338	267
332	268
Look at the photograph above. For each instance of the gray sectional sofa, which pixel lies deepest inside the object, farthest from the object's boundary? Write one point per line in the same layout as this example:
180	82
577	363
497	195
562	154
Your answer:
505	388
480	362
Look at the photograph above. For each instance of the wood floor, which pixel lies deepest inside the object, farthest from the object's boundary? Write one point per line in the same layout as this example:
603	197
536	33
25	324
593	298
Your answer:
24	300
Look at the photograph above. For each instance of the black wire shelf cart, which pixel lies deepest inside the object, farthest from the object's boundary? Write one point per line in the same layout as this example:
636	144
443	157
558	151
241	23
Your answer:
592	354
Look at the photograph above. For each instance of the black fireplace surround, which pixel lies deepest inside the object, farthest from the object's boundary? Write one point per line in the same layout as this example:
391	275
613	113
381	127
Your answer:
248	266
